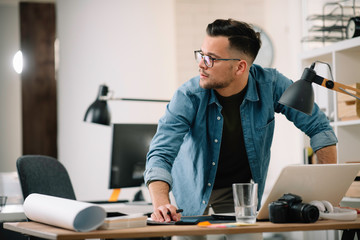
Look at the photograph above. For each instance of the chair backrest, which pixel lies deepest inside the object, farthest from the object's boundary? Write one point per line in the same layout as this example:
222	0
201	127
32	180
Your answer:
44	175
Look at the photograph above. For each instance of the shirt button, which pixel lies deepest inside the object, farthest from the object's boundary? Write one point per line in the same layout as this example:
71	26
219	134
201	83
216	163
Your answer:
218	118
216	141
209	184
203	202
213	163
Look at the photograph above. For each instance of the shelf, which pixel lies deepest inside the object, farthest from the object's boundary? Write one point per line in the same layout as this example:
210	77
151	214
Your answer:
345	123
344	59
347	45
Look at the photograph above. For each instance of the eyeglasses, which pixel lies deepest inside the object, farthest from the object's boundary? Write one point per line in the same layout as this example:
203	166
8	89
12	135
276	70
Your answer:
208	60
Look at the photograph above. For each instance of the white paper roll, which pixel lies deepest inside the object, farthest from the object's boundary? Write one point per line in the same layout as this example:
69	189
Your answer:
65	213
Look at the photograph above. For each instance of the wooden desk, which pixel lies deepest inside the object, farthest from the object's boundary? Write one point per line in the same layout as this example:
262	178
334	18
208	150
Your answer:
49	232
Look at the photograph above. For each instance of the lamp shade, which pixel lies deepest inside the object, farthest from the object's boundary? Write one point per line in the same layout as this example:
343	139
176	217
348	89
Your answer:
98	112
300	96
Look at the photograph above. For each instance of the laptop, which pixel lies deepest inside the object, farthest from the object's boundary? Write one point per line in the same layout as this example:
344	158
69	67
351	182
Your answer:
312	182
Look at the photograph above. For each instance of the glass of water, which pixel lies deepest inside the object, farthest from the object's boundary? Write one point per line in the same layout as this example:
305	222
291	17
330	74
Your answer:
2	202
245	201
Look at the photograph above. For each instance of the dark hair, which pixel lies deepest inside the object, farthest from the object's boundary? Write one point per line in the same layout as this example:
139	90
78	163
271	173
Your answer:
240	34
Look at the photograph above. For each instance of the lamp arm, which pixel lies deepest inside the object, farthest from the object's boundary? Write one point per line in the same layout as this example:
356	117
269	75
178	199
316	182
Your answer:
339	87
106	98
140	100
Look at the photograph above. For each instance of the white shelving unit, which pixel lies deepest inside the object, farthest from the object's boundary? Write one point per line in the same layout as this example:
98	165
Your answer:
344	59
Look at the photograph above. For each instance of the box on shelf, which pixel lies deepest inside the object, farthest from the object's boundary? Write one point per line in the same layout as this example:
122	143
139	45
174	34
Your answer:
348	106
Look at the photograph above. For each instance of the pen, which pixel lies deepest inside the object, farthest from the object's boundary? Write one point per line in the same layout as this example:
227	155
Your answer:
177	211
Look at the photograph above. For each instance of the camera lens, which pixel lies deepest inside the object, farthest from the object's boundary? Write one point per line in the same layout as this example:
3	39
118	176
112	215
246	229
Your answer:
305	213
310	213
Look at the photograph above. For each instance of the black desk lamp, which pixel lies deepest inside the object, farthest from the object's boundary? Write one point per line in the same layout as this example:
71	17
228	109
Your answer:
300	95
99	112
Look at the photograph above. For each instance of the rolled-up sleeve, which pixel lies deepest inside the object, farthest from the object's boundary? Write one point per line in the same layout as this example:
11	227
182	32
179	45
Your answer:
155	173
323	139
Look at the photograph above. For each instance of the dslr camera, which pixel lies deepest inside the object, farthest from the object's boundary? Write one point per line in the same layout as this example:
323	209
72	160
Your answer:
290	209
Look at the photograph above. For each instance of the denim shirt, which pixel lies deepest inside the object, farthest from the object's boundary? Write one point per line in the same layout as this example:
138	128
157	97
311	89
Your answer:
185	150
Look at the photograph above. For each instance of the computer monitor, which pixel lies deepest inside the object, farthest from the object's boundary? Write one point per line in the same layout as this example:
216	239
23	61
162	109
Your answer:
129	148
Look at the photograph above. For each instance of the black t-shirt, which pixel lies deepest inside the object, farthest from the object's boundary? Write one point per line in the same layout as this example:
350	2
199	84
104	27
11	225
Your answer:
233	166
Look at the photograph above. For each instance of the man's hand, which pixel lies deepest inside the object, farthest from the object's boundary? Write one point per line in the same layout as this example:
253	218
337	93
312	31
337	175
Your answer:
327	154
163	210
165	213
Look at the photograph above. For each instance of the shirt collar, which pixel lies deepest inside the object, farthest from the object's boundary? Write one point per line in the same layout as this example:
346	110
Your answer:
213	98
252	93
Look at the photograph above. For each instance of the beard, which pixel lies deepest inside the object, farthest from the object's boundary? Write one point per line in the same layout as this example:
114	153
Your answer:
208	84
211	83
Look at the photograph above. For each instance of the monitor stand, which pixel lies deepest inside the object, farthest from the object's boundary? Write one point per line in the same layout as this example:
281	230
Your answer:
139	197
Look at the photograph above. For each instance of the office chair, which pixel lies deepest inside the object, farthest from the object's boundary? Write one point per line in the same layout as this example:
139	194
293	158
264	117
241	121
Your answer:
44	175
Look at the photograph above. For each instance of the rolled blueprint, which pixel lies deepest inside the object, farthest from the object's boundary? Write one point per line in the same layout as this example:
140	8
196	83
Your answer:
62	212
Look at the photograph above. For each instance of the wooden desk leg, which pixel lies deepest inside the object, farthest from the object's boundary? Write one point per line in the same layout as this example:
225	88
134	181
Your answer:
349	234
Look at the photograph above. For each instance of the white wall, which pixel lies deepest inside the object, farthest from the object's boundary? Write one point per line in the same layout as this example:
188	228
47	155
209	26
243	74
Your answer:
140	49
130	46
10	85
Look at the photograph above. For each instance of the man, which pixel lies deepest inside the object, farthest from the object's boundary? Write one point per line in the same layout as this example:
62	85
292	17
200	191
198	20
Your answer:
218	127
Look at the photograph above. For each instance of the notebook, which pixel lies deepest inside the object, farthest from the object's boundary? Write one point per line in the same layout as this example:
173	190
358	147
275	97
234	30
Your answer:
312	182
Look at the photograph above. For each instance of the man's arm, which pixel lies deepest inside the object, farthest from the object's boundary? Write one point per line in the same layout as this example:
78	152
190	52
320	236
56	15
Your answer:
163	210
327	154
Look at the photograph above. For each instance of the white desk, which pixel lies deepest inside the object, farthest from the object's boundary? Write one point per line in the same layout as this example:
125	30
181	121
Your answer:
12	213
128	208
